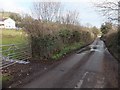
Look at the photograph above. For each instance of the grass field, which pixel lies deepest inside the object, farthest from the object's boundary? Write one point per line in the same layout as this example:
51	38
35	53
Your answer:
13	37
17	37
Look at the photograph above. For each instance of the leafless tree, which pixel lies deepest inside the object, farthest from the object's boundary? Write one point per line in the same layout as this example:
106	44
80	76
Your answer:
70	17
110	9
46	11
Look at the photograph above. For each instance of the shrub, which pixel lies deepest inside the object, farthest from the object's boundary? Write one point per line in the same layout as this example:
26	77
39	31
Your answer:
112	42
65	35
69	37
43	47
50	38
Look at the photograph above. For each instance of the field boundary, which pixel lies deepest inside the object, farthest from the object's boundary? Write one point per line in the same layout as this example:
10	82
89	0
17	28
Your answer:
14	53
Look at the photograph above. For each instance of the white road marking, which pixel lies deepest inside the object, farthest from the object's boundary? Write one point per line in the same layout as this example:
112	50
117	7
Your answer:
79	84
106	49
83	53
84	75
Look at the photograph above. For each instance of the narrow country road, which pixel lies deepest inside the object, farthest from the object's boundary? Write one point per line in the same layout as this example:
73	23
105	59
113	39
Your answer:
94	68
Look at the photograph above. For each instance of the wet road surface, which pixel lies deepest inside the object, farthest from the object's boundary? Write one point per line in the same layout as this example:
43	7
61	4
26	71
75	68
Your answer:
92	68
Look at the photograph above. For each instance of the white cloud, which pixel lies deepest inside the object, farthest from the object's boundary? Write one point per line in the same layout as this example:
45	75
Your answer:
12	6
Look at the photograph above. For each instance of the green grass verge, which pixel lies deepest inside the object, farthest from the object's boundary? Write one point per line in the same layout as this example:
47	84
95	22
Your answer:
5	78
66	49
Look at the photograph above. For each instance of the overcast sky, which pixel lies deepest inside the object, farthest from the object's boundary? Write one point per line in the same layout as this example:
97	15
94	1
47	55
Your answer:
86	9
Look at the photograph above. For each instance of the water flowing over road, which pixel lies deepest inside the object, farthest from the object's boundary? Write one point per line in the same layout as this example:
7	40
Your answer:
91	68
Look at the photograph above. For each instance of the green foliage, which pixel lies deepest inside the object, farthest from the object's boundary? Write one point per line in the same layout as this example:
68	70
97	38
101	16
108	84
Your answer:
5	78
105	28
95	31
75	36
17	18
68	36
65	35
45	47
112	43
65	50
47	39
4	14
25	19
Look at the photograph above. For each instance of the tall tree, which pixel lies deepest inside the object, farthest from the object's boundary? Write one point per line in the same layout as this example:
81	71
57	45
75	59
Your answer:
71	17
46	11
109	9
17	18
95	31
106	27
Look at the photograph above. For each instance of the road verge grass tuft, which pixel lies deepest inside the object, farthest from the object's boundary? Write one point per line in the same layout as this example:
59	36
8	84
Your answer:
65	50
